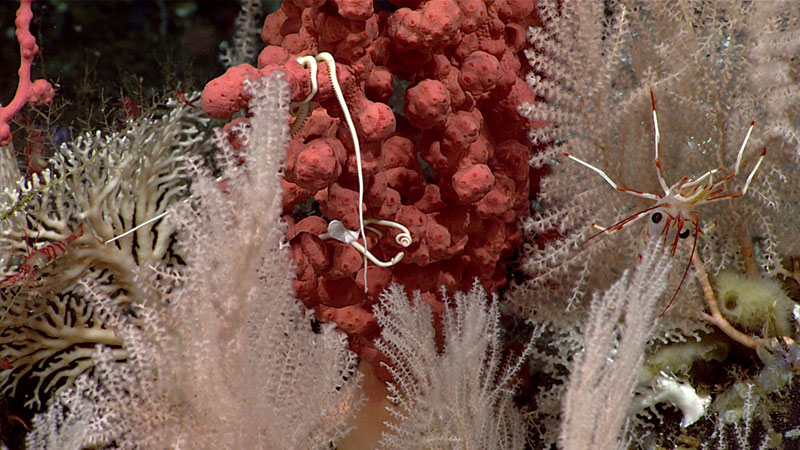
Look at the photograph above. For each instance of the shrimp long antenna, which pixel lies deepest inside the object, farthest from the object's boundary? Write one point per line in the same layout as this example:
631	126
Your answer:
753	173
741	149
611	182
659	172
146	222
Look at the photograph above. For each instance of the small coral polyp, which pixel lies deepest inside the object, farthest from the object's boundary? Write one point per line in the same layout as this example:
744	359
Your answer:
452	168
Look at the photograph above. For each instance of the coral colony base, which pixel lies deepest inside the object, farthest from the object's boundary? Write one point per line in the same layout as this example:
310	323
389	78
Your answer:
378	230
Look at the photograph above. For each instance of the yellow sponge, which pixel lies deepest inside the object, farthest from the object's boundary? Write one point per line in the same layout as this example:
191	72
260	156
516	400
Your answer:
748	302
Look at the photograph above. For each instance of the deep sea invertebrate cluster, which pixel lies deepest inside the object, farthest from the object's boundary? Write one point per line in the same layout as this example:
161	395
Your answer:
432	88
170	269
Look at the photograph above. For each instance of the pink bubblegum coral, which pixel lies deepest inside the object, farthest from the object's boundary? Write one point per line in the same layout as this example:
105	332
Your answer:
38	91
433	25
473	182
428	104
432	89
316	165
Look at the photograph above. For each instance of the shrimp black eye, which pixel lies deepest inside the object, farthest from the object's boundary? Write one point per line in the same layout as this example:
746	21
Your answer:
684	234
656	217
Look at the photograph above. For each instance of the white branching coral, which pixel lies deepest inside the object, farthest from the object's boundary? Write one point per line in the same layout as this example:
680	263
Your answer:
461	397
223	355
98	186
244	43
602	382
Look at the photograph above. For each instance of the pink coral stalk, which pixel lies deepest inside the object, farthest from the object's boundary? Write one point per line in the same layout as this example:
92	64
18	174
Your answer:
37	92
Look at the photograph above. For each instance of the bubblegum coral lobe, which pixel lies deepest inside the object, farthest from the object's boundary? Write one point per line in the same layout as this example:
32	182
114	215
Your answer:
433	89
